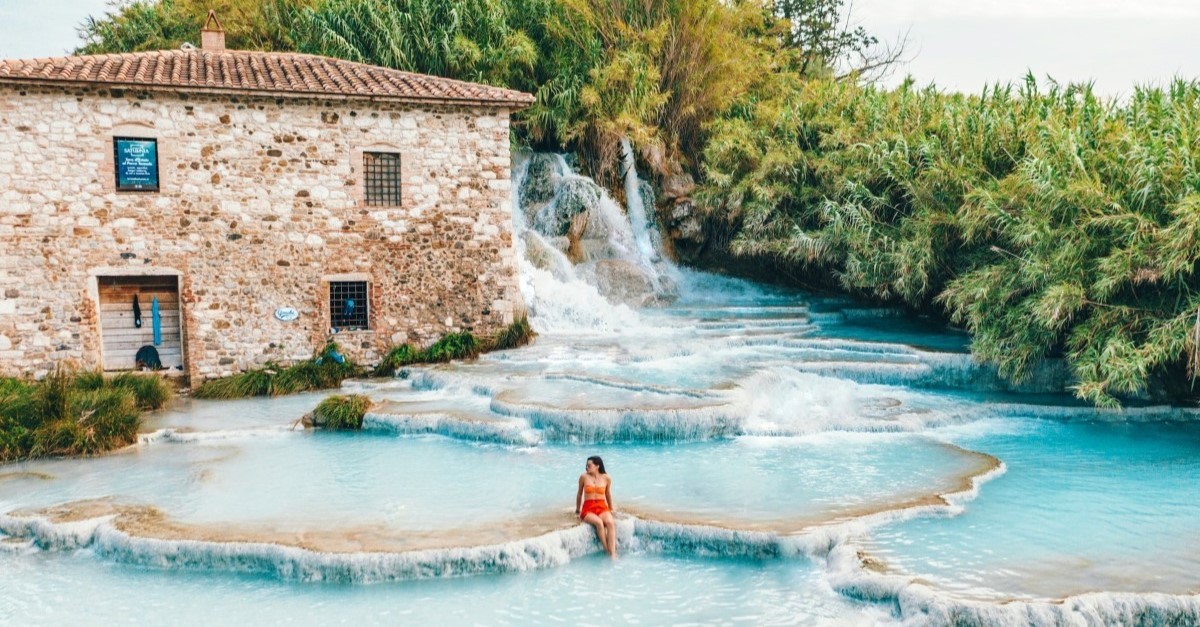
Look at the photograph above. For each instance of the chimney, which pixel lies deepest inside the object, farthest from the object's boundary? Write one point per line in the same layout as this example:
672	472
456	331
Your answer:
212	36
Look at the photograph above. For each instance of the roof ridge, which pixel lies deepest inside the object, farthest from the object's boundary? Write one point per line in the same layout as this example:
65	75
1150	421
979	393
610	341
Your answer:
259	71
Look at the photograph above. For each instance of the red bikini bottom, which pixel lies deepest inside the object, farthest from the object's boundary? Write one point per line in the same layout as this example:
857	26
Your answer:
593	506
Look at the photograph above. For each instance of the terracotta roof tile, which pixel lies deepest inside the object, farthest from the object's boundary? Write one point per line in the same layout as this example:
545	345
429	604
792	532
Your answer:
257	72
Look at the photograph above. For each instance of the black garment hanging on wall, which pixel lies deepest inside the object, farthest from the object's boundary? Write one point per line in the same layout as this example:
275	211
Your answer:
137	313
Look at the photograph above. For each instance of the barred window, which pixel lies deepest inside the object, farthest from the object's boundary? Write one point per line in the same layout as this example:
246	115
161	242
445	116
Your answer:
348	305
381	174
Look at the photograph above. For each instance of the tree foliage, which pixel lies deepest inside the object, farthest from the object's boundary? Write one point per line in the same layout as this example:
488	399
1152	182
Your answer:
1047	221
827	41
139	25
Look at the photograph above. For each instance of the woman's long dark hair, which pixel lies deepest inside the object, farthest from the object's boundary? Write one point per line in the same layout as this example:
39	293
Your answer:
595	459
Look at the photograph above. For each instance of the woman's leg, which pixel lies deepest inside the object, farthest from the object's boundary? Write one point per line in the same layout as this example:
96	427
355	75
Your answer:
596	522
610	526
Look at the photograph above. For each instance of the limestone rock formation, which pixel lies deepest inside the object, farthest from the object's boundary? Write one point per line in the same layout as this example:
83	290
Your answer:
621	282
576	195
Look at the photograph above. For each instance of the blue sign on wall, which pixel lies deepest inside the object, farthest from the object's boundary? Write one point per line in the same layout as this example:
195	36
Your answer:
137	164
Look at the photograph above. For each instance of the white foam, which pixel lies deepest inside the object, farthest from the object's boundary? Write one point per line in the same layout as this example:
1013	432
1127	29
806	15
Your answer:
293	563
499	431
625	425
571	306
177	436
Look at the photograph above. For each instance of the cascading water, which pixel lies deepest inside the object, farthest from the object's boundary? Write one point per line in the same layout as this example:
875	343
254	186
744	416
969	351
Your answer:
585	262
633	199
850	466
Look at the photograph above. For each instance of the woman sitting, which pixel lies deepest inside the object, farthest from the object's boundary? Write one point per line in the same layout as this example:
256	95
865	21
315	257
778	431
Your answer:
593	503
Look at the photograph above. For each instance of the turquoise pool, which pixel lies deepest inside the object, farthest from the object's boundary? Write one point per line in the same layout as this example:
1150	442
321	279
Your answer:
771	466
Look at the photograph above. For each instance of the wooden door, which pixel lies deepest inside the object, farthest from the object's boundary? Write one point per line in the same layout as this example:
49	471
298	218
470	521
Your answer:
121	337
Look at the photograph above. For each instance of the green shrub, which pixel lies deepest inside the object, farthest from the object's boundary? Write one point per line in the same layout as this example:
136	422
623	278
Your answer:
9	384
151	392
90	380
246	384
322	373
342	412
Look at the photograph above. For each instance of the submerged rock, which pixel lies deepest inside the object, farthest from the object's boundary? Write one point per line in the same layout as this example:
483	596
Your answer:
589	249
574	235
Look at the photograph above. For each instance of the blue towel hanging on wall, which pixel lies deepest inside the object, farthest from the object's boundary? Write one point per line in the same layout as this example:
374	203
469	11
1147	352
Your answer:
156	318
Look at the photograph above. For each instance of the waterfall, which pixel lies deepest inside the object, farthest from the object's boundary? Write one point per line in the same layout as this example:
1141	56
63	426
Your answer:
635	205
586	264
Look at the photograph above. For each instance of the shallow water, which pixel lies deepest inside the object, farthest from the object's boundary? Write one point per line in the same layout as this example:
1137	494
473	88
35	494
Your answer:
749	476
777	458
1083	507
646	590
386	494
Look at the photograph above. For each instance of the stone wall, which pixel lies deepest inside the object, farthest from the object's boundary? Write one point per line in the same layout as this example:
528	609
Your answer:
261	204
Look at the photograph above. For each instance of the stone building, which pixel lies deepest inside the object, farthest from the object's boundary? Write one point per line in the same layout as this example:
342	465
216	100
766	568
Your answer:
254	204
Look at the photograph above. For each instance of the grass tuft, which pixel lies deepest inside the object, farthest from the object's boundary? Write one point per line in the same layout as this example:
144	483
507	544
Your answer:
150	392
341	412
322	372
453	346
464	345
396	358
515	335
72	414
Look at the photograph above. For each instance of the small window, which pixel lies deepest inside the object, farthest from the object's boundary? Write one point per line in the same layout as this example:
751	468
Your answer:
136	161
348	305
382	177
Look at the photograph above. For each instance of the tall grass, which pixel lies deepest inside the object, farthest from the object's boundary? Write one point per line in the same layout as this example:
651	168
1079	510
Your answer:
1046	220
454	346
74	414
150	392
515	335
324	371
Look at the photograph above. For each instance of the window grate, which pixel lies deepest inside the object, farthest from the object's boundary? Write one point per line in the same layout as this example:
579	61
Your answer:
348	305
382	176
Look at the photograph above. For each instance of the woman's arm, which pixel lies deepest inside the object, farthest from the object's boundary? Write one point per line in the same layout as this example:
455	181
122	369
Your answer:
608	496
579	496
